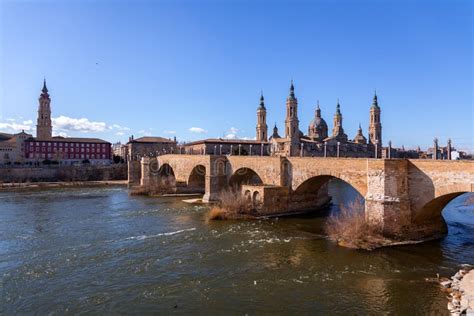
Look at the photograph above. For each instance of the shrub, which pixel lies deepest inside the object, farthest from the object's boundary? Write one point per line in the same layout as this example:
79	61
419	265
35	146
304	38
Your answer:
349	228
232	205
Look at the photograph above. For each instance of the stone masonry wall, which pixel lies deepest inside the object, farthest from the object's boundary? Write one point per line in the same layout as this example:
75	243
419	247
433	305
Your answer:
64	173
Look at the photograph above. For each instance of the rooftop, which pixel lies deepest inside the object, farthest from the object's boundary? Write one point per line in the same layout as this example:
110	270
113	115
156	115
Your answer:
152	139
61	139
225	141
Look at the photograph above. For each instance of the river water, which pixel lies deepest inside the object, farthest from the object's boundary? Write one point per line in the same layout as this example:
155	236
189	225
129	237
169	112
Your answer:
97	251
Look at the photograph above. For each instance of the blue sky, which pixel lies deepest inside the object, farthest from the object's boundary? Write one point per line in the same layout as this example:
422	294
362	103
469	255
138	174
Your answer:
195	69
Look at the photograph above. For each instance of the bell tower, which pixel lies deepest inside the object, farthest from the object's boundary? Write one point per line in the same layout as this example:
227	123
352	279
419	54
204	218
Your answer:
338	131
292	130
292	123
44	126
262	121
375	127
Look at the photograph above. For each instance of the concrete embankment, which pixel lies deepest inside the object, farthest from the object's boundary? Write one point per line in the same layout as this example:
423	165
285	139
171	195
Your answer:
49	185
460	289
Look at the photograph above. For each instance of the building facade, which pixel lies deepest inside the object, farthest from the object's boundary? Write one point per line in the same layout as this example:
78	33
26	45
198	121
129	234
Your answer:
62	150
318	142
221	146
148	146
12	148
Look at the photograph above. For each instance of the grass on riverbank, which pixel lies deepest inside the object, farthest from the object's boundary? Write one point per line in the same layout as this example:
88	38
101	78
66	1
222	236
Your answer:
349	228
232	205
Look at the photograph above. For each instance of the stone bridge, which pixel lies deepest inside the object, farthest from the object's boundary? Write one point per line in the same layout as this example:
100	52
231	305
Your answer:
405	197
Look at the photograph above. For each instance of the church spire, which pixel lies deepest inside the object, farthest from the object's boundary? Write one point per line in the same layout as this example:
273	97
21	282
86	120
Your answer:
262	101
318	110
292	90
338	107
44	86
262	121
375	102
44	90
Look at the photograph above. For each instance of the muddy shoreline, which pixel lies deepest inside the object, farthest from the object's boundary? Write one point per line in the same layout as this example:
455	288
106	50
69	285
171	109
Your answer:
67	184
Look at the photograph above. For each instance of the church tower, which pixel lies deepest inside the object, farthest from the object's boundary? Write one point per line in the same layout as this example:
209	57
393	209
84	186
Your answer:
292	130
375	128
338	131
262	121
44	126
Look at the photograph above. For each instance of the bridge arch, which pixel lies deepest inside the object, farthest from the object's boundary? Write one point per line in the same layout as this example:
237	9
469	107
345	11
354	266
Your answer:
244	176
315	181
197	179
315	192
164	180
432	207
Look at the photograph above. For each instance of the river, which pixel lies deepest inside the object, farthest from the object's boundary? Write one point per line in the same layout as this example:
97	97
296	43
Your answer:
99	250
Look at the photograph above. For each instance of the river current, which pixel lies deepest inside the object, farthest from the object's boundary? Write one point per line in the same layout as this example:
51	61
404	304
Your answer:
99	250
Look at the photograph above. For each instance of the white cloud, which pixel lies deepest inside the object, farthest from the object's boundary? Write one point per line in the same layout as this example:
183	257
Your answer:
169	132
145	132
11	126
118	127
197	130
64	123
119	133
233	130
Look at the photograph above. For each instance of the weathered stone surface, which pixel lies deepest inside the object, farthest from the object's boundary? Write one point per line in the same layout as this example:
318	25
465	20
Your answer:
405	197
64	173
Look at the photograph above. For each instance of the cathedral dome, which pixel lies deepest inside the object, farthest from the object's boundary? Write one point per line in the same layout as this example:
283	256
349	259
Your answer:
318	128
318	122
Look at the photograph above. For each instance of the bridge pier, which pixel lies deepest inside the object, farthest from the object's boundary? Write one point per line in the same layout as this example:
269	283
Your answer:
214	186
145	180
387	204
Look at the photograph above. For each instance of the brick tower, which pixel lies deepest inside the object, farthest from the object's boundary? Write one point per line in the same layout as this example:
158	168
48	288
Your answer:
44	126
292	130
262	121
375	127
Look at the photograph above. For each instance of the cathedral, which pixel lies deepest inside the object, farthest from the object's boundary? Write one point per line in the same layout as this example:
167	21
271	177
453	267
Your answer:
318	142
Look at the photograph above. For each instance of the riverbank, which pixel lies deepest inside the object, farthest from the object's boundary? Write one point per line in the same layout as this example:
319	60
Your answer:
461	291
49	185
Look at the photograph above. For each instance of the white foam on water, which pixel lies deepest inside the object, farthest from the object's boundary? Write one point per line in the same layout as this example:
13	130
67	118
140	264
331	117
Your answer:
142	237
